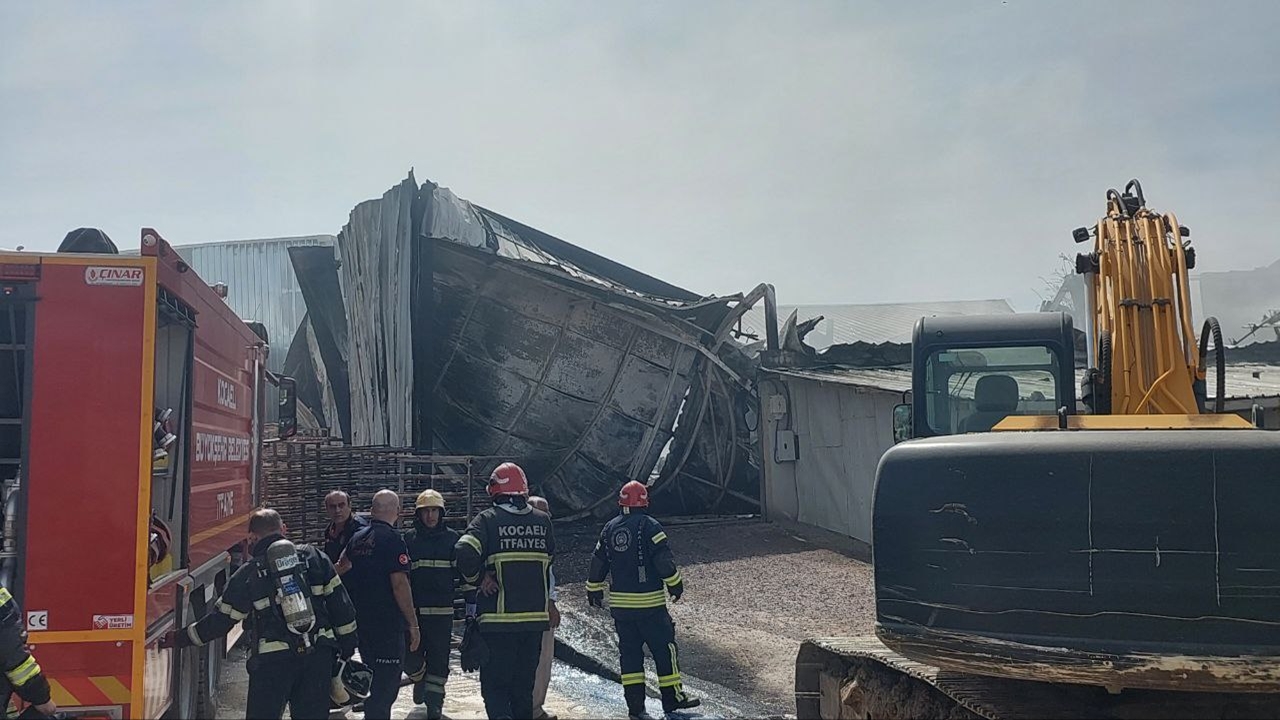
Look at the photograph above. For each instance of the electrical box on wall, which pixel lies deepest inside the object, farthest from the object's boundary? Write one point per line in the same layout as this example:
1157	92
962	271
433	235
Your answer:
786	447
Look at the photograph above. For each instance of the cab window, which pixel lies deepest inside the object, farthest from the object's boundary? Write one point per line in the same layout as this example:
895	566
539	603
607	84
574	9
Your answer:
973	389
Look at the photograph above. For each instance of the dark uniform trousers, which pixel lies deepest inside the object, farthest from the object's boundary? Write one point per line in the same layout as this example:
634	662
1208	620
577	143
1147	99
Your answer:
506	681
652	627
436	632
302	681
384	654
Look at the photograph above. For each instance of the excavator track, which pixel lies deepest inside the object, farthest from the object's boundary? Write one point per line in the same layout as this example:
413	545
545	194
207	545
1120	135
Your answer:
858	677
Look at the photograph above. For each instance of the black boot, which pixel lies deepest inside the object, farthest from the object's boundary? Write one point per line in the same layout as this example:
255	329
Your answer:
635	702
435	708
419	692
674	698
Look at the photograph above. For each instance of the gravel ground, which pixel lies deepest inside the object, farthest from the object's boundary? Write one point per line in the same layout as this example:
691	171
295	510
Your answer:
753	592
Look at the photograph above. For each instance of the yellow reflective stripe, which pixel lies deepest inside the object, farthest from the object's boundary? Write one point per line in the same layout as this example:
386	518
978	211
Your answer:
593	586
672	680
465	587
4	595
419	564
270	646
348	628
22	674
60	696
111	686
230	612
262	604
659	537
194	636
473	541
327	588
514	617
649	599
630	602
435	611
671	581
502	557
633	679
326	633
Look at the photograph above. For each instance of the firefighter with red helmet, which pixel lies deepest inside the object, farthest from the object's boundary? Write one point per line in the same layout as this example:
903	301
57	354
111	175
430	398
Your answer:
634	553
513	543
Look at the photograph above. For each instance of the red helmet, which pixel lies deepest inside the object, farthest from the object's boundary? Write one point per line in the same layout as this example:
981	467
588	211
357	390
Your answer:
634	495
508	479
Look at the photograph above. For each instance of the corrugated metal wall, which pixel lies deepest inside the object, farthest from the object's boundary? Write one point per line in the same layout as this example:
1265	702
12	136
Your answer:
260	286
260	283
841	432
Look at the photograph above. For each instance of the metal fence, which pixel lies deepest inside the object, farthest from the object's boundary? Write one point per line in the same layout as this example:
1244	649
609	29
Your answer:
298	474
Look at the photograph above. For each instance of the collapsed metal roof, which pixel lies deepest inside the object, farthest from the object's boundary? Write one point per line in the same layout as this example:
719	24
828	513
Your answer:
469	333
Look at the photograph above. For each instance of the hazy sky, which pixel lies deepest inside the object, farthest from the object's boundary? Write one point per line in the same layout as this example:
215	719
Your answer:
846	152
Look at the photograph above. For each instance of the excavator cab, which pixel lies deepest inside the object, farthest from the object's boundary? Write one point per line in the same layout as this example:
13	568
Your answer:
972	372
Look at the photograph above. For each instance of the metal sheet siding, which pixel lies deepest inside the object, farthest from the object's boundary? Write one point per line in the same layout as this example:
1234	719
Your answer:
260	282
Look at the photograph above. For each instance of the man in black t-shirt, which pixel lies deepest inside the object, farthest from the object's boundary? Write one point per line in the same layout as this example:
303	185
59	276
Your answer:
375	570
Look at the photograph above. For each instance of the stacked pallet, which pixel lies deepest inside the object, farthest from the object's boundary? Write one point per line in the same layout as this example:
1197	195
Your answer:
297	475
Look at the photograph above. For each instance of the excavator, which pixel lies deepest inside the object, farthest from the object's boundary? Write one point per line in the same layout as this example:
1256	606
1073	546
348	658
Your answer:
1038	555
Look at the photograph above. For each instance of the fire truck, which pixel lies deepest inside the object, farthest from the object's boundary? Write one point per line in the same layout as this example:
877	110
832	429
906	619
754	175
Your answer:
131	423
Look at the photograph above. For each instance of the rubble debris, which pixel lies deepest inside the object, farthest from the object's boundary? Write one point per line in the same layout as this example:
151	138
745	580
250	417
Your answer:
587	372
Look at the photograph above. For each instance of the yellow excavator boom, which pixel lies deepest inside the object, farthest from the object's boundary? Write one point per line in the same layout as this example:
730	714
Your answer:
1142	336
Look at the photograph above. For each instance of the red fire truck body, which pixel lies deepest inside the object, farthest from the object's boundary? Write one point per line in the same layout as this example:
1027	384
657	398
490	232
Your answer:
93	349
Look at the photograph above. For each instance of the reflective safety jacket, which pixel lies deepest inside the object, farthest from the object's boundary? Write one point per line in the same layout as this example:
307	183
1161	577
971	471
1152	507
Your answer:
251	592
433	570
516	543
21	671
634	551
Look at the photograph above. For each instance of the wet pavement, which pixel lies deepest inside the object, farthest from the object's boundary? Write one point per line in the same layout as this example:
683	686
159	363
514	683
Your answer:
573	694
587	640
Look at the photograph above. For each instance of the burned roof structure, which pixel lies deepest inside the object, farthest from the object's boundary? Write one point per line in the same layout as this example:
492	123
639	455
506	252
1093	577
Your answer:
445	327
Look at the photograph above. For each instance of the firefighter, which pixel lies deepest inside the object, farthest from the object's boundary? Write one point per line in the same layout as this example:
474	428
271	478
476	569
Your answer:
633	551
298	614
22	673
436	583
514	544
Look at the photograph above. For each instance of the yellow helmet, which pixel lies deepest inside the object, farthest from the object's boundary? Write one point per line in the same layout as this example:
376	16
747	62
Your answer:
427	499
